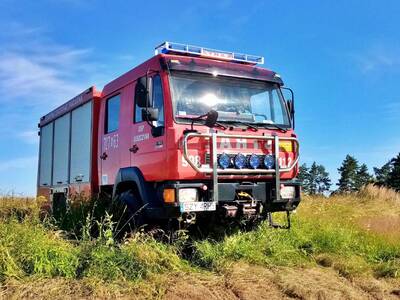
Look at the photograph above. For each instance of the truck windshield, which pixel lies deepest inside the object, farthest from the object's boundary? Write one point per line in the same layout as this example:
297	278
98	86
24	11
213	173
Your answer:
239	100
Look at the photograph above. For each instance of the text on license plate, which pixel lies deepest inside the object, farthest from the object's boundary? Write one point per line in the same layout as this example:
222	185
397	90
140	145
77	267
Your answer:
288	192
198	206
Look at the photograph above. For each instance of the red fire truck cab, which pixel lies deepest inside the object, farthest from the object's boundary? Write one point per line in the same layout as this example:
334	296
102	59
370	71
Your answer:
192	131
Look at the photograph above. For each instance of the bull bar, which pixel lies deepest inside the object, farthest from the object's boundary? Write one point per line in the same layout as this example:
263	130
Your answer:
215	171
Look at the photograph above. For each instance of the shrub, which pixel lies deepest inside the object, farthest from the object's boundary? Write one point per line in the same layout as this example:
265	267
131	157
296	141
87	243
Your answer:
135	259
30	249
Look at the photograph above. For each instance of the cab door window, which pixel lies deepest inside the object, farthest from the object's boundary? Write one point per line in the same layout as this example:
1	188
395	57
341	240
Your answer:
157	100
112	114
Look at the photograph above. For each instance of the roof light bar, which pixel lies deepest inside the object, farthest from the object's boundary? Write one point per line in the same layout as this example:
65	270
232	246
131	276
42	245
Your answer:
169	47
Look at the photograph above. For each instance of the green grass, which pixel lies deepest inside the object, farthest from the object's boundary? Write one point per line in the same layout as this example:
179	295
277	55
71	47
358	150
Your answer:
136	259
34	246
28	248
325	232
309	242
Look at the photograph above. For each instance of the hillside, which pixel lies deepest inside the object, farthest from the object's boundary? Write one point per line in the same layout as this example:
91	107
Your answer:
343	247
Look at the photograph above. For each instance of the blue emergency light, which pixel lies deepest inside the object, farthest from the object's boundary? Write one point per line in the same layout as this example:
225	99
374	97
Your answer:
169	47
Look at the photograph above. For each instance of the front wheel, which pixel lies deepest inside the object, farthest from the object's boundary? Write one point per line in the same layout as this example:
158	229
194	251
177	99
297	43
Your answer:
132	211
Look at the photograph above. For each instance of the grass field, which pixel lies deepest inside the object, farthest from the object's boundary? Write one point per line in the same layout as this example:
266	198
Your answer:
345	246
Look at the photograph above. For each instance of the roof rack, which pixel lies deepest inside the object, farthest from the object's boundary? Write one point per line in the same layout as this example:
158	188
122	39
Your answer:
170	47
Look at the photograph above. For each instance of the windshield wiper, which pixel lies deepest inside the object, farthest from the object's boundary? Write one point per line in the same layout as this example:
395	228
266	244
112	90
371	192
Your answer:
269	125
201	121
249	125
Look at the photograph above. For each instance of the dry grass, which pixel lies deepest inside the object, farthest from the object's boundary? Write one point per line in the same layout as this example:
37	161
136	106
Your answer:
387	226
11	206
374	209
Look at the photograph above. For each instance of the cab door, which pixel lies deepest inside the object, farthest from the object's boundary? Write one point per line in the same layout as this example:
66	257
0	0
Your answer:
110	142
148	151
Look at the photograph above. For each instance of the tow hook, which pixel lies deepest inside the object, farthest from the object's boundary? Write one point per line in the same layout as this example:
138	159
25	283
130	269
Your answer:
229	211
249	208
189	218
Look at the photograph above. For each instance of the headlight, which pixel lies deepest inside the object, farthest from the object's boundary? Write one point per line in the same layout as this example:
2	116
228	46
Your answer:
188	195
239	161
224	161
269	161
254	161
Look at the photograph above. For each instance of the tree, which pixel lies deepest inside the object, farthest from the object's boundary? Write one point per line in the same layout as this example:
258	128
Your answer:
394	175
363	177
319	179
348	175
314	180
304	178
382	174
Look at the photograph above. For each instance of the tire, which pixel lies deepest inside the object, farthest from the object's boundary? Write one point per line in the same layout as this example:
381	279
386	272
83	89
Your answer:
133	210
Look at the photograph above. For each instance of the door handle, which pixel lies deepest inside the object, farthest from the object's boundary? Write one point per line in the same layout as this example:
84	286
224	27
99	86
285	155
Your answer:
104	156
134	148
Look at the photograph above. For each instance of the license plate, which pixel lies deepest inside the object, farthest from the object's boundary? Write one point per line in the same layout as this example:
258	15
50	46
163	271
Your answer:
288	192
198	206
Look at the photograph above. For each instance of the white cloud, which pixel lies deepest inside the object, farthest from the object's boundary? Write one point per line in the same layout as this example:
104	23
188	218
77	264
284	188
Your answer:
15	30
29	137
45	73
18	163
378	57
21	76
34	67
36	75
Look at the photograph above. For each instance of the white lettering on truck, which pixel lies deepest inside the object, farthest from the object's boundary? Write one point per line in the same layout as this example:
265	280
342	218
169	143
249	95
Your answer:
241	143
110	142
225	143
141	137
195	159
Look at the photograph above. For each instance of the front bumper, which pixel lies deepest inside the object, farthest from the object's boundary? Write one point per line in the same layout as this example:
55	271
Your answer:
263	193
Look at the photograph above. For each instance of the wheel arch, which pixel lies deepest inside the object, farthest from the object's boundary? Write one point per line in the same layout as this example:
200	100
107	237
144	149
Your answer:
132	177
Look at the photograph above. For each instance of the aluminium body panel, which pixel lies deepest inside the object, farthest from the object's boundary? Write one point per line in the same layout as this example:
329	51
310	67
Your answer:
81	143
46	155
61	144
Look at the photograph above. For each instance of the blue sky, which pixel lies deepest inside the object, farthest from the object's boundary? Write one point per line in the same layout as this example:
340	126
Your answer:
342	58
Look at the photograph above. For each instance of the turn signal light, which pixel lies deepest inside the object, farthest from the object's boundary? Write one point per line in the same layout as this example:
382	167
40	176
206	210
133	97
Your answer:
169	195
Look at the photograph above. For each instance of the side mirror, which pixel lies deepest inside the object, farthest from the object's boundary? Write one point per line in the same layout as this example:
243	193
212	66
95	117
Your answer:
211	118
290	102
151	114
142	94
290	106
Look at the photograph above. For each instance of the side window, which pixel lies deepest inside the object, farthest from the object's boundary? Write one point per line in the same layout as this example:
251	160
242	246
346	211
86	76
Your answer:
278	111
158	102
112	114
138	114
259	109
158	99
267	106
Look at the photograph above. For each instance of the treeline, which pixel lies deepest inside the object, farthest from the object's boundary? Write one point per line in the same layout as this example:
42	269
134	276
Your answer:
353	176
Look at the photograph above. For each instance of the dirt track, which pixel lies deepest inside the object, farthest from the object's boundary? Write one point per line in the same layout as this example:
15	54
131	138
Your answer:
250	282
240	281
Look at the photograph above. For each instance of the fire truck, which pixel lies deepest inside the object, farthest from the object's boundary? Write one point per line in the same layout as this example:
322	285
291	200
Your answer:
192	132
